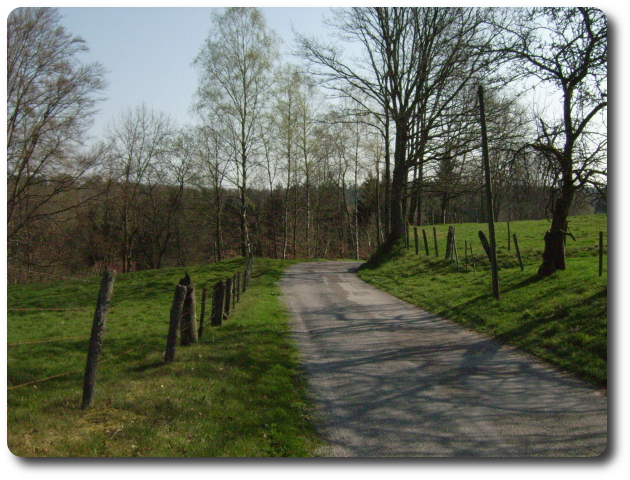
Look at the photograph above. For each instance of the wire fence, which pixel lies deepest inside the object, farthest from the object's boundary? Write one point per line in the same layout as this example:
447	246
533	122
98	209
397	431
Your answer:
220	306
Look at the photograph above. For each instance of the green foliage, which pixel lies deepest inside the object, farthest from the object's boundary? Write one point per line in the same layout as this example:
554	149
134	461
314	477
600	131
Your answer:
238	392
561	318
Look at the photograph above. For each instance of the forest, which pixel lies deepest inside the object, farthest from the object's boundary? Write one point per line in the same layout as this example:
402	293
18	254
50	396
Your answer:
329	154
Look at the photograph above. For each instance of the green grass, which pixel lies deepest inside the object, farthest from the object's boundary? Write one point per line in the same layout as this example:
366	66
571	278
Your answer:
238	392
562	319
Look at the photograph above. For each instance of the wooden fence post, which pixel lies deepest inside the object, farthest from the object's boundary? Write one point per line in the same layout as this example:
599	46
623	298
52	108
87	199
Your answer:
435	241
455	248
238	286
518	252
173	326
218	296
466	255
601	253
96	337
449	244
203	312
426	243
415	236
508	228
228	297
188	323
472	258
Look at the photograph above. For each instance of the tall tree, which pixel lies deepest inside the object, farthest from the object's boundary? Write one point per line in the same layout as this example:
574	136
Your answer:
51	96
414	61
235	65
564	50
141	138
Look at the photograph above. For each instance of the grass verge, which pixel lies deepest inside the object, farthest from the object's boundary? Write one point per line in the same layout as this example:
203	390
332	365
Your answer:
239	392
562	319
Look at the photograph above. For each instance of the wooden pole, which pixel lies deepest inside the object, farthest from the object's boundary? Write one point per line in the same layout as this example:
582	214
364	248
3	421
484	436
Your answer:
228	297
216	320
449	244
518	252
455	248
490	208
426	243
472	258
203	312
508	228
435	242
466	254
173	326
601	253
96	337
188	323
415	236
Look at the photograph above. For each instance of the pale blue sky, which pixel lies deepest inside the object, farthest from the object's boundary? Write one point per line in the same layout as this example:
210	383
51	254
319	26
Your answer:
148	51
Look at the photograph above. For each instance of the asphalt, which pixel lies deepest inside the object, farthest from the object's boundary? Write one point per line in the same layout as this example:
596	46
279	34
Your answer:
389	379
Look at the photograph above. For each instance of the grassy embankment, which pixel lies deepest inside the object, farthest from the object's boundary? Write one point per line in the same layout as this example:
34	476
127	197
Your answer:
238	392
562	319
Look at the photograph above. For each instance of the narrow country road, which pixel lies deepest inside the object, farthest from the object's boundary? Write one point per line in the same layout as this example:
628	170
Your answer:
390	379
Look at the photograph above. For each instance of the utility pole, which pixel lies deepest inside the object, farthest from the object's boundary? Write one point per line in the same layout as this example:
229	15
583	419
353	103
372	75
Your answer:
490	209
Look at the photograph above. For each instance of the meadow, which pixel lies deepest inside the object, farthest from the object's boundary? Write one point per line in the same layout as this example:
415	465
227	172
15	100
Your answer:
238	392
561	319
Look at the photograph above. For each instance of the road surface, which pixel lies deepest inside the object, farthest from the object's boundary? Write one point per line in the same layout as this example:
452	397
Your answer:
390	379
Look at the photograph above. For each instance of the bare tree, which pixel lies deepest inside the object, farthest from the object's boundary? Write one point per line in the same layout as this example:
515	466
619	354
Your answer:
234	64
212	166
414	61
51	97
564	50
141	137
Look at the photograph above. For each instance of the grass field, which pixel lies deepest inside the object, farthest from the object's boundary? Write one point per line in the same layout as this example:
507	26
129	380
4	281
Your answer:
562	318
238	392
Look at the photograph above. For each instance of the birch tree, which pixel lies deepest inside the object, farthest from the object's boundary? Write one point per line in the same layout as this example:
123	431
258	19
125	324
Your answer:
235	65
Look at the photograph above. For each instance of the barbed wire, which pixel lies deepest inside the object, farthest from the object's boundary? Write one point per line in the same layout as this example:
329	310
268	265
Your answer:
78	370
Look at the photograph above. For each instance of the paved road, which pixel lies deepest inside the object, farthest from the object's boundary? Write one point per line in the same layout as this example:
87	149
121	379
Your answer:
390	379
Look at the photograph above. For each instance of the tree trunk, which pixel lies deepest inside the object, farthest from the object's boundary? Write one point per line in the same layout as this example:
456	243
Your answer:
397	194
553	256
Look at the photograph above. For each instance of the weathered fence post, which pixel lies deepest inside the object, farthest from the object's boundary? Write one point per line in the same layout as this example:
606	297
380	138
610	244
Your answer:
218	296
173	326
508	228
96	337
472	258
238	286
188	322
228	297
518	252
435	241
601	253
466	255
415	236
486	247
203	312
234	290
455	248
449	244
426	243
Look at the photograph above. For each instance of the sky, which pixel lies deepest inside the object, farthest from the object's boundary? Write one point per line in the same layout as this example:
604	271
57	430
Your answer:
148	52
